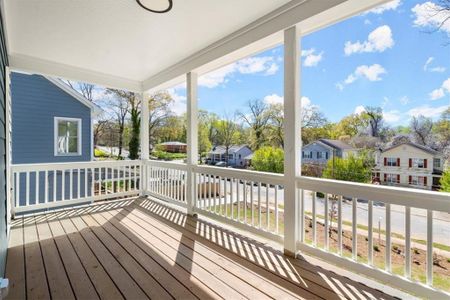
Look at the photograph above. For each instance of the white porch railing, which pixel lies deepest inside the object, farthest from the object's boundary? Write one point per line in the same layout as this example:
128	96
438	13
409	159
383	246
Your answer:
254	201
41	186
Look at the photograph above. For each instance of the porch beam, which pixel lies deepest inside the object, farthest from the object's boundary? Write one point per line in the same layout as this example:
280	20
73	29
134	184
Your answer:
192	139
33	65
292	138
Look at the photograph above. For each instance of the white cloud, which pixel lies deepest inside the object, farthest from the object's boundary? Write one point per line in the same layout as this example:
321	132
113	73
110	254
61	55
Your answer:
432	16
359	110
427	111
440	92
217	77
392	116
277	99
312	58
371	73
404	100
393	5
273	99
426	66
178	106
437	94
305	102
378	41
265	65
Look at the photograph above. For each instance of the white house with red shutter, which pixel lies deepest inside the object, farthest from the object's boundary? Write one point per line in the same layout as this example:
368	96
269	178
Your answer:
409	164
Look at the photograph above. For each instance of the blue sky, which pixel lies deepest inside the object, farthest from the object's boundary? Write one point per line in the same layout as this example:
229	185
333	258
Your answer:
386	57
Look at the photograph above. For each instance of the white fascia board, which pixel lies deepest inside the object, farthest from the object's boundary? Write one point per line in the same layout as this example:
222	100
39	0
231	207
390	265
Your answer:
24	63
266	32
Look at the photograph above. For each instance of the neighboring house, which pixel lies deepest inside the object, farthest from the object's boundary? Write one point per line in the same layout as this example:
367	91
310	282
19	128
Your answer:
409	164
174	147
51	123
236	155
322	150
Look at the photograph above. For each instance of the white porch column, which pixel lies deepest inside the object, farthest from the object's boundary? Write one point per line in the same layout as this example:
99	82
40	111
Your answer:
292	138
192	139
144	140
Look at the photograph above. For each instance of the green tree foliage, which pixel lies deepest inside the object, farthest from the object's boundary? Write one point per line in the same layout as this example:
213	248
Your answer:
445	181
350	125
353	168
268	159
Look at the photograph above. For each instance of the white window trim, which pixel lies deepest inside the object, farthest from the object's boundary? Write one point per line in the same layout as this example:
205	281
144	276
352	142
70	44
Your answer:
55	138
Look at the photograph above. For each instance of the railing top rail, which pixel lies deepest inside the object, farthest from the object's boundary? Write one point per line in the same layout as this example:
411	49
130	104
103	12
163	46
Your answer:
263	177
167	164
72	165
439	201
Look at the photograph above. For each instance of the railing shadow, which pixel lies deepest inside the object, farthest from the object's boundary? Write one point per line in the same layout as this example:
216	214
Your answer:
258	255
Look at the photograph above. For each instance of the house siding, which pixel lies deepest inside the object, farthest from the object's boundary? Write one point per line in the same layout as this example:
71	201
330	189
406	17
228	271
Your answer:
403	153
35	103
315	148
3	206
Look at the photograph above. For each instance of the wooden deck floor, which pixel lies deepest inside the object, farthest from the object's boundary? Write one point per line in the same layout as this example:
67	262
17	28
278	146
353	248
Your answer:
141	249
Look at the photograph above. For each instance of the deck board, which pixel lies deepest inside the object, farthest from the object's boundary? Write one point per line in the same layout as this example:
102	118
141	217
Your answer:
143	249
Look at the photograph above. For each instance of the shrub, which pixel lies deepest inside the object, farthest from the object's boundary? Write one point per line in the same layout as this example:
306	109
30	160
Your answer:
162	155
268	159
100	153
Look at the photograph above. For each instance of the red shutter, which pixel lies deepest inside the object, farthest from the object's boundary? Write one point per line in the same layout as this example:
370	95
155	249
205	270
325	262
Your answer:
385	161
398	178
410	162
425	163
410	179
425	180
385	177
398	162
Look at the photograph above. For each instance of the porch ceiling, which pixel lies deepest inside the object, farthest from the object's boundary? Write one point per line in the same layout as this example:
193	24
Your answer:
119	44
119	38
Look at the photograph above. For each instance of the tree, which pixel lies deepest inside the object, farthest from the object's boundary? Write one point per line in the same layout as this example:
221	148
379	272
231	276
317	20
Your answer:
276	136
375	117
268	159
312	117
120	106
159	110
421	129
353	168
445	181
440	13
257	118
350	125
227	134
135	114
441	130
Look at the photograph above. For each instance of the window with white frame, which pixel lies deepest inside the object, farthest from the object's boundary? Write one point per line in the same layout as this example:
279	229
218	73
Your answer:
321	155
418	163
307	154
391	178
418	180
67	136
391	162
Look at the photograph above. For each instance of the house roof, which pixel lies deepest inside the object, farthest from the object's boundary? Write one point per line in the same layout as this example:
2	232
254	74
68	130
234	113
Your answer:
174	143
335	144
222	149
420	147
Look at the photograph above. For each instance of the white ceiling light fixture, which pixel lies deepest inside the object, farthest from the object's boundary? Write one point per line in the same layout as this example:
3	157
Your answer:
156	6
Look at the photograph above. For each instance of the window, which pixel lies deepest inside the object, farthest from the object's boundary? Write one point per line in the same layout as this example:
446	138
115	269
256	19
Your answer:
307	154
418	163
230	156
418	180
392	178
437	163
322	155
391	162
67	136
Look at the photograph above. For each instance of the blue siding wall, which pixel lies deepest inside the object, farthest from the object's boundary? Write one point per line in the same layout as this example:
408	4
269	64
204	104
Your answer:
35	103
314	148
